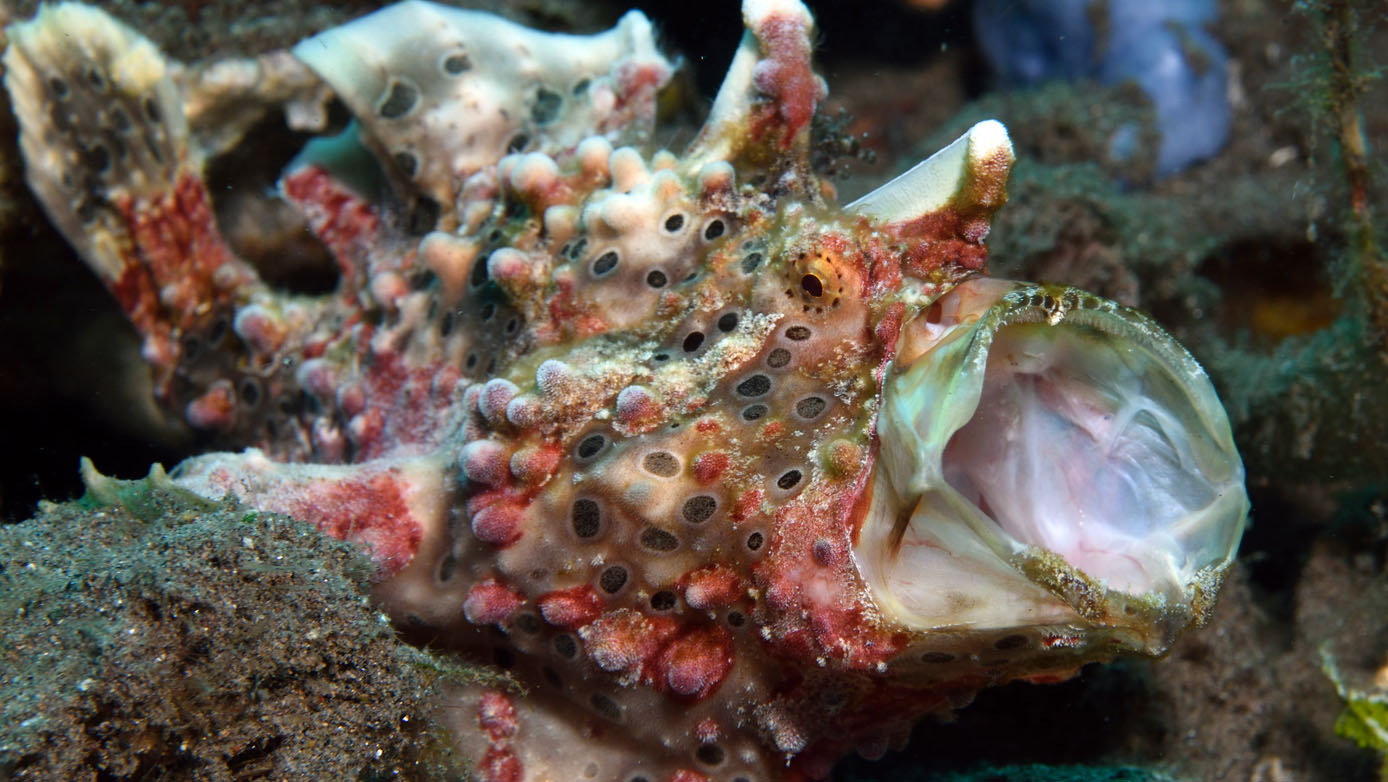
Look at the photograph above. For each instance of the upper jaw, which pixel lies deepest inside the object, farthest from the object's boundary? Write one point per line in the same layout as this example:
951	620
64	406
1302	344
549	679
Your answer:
1049	460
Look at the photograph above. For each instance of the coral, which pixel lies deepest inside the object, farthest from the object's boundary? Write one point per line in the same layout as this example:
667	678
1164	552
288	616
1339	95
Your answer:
715	467
150	632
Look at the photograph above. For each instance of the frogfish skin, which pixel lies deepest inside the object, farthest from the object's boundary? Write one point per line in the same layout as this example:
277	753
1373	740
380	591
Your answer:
731	478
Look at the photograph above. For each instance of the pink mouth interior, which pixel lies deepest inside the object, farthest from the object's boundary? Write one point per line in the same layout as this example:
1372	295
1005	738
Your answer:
1080	447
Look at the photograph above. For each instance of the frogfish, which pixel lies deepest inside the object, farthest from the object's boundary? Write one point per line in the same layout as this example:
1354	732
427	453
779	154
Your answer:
732	479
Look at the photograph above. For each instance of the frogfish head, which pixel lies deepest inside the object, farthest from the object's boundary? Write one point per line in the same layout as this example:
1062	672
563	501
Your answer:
1055	471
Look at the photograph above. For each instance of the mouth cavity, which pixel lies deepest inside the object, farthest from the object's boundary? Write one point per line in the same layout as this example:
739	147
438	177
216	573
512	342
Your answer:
1049	457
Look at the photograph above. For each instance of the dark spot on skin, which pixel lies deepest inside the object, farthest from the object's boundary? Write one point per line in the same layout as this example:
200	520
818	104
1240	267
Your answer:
517	143
120	121
699	509
446	325
755	540
661	463
424	216
192	348
98	158
778	358
693	341
528	623
937	657
812	285
566	646
151	110
1014	641
422	280
788	479
455	64
605	263
753	412
736	618
581	87
546	107
447	567
751	262
606	707
479	276
674	222
660	357
664	600
656	279
798	333
250	392
407	163
552	677
810	407
399	101
488	309
727	322
590	446
58	87
472	361
97	80
754	386
586	517
713	230
709	754
511	325
657	539
613	579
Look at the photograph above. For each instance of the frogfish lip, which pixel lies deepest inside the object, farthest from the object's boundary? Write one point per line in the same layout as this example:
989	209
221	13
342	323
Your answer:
1049	459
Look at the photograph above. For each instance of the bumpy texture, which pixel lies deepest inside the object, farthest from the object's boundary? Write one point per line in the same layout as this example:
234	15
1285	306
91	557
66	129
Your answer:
734	480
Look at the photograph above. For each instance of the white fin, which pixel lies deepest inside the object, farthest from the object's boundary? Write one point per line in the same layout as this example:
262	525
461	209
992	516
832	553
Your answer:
442	92
725	131
99	117
968	175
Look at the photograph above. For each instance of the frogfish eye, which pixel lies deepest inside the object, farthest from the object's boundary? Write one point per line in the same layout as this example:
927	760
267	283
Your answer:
1049	458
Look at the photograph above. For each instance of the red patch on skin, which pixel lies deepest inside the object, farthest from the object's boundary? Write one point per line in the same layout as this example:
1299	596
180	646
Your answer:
942	239
634	81
176	269
625	642
490	603
748	504
571	608
785	74
888	330
500	524
707	426
533	465
685	775
496	715
693	666
339	217
407	400
500	765
215	409
707	731
711	588
371	510
708	467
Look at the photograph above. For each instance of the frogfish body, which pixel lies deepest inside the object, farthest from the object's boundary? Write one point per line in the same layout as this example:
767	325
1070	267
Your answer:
731	478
